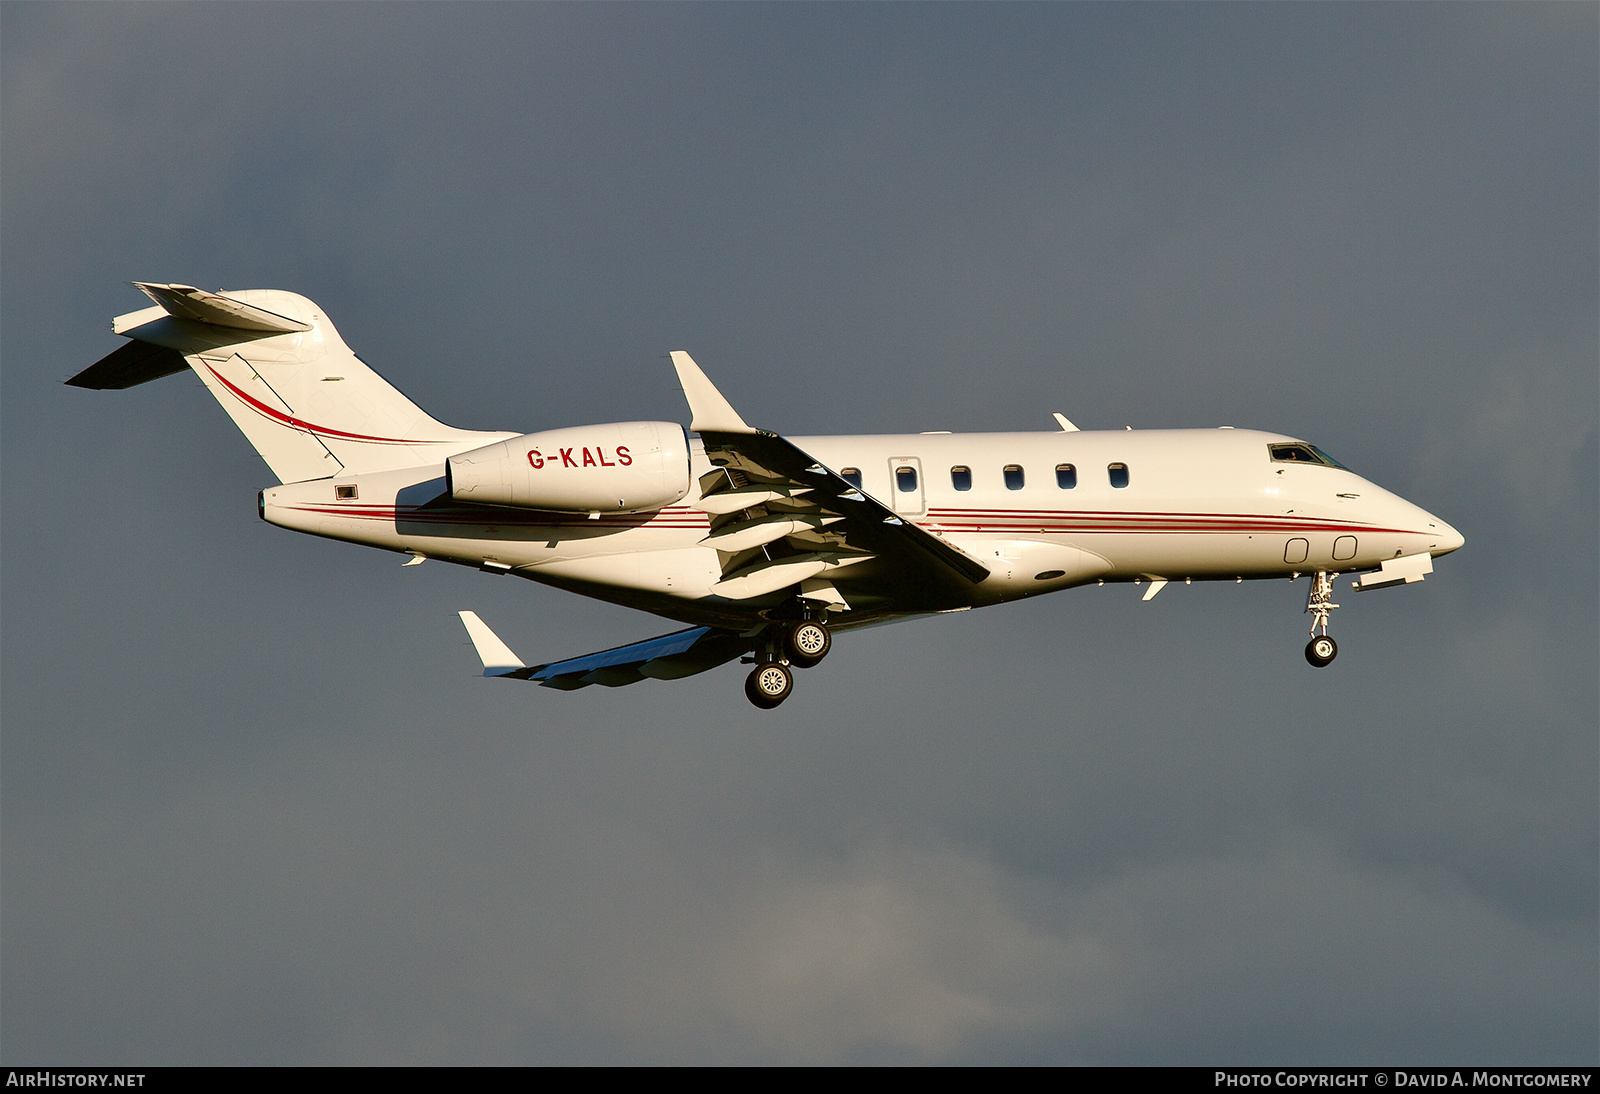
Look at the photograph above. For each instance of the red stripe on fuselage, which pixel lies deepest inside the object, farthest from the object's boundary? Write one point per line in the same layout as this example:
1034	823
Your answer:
418	515
1061	520
1002	522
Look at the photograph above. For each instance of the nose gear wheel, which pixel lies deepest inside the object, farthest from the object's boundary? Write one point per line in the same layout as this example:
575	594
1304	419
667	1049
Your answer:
1321	651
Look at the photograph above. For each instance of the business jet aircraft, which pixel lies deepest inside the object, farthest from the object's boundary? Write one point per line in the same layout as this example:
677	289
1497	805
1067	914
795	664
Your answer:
765	546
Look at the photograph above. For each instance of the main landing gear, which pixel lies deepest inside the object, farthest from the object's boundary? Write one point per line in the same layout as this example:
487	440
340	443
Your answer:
800	644
1322	649
769	685
806	642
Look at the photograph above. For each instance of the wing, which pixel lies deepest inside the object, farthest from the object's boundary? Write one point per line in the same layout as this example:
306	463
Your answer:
780	519
670	657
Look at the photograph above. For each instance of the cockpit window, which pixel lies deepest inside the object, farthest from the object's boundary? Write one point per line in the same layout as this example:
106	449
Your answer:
1302	453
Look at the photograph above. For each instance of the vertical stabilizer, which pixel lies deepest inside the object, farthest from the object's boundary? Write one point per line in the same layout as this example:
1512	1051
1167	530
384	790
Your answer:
308	405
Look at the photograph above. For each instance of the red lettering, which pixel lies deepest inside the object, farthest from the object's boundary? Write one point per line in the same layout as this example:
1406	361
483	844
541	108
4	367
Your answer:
603	461
536	458
566	458
588	460
622	456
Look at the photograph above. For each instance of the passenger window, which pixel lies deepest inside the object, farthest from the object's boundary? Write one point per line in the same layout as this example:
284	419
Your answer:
905	479
1066	476
852	475
1119	475
1013	476
961	477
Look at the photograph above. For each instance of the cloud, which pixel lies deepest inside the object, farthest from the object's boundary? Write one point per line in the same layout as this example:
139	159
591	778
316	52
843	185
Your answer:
1521	432
352	910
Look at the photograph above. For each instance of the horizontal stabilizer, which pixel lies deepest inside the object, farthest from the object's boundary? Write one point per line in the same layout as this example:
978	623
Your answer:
133	364
218	309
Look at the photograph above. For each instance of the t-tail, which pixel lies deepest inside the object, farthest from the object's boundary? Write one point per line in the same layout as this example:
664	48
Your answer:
310	406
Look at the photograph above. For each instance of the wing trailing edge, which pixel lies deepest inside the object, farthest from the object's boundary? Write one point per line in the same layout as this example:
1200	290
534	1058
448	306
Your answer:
781	519
668	657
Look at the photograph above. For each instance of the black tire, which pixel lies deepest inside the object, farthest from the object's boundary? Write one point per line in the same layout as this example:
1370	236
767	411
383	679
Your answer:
1321	651
768	685
806	643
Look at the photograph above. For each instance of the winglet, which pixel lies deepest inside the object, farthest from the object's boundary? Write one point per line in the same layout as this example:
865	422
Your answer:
710	412
497	658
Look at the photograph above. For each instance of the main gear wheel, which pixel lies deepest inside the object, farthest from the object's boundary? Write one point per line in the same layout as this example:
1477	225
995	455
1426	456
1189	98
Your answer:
806	643
769	684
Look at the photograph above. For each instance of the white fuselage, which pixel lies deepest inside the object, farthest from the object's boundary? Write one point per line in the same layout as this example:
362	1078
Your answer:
764	544
1197	504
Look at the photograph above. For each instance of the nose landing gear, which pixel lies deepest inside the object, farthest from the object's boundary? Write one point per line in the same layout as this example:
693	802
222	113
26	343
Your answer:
1322	649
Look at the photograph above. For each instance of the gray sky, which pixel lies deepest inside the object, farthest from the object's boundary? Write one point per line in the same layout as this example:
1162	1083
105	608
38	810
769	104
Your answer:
257	806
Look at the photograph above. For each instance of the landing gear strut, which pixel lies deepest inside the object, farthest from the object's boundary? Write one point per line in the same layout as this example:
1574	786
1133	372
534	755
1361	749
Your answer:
799	645
1322	649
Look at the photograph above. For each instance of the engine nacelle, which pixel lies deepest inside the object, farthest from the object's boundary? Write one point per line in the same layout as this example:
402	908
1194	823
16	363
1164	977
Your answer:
620	467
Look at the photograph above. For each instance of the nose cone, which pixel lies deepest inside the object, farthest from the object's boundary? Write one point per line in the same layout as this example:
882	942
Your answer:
1448	539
